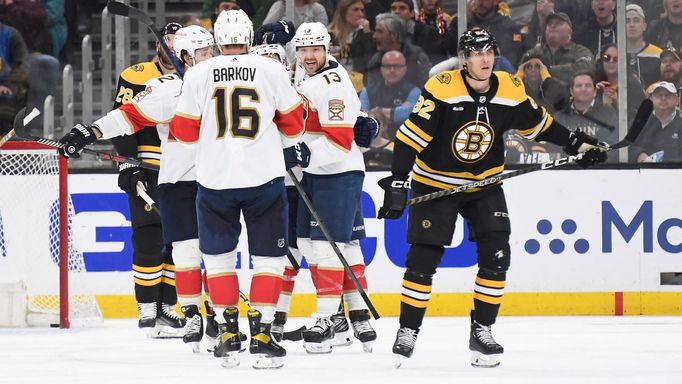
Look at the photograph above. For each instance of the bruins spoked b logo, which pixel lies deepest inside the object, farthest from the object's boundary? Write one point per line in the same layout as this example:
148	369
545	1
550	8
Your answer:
472	141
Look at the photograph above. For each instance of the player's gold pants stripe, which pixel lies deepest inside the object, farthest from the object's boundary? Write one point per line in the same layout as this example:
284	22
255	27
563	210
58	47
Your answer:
156	268
490	283
463	175
488	299
148	283
413	302
416	286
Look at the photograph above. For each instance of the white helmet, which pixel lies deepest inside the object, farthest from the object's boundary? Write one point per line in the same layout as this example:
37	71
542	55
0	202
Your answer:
233	27
311	34
270	49
191	38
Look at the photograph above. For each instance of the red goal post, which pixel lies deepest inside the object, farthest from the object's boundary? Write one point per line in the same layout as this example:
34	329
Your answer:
37	250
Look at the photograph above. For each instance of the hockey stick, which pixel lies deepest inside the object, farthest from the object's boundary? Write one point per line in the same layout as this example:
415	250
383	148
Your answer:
120	9
336	249
142	192
20	122
643	113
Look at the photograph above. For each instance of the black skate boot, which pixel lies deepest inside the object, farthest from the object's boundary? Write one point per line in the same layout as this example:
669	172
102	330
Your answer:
404	344
147	318
485	352
362	329
277	328
211	328
168	323
194	330
342	337
263	347
319	338
230	342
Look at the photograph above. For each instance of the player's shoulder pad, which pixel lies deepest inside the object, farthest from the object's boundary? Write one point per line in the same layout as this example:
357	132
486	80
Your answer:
446	85
140	73
510	87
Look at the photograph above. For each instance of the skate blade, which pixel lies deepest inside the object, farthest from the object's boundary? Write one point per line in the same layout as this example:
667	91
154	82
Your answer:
166	332
342	339
211	343
230	360
263	361
480	360
367	346
195	346
399	360
318	348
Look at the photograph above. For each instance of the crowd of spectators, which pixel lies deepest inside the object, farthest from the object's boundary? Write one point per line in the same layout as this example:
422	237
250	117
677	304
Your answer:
564	51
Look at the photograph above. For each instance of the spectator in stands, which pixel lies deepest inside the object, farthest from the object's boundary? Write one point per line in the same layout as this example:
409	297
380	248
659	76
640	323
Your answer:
30	19
661	138
586	113
432	13
56	25
667	32
390	35
600	27
671	70
305	11
643	58
418	33
575	9
607	81
653	10
540	85
373	8
562	56
13	75
349	26
487	14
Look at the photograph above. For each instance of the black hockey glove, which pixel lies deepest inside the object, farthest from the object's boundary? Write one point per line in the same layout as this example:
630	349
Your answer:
298	154
280	32
395	197
128	176
74	141
365	130
580	142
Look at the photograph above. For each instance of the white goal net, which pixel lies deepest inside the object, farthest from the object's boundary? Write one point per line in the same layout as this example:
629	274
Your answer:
33	181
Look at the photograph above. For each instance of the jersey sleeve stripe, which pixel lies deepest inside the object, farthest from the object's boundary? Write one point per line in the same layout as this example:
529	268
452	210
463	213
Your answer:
408	141
135	119
542	126
149	148
139	111
292	108
341	137
290	123
185	129
418	131
187	116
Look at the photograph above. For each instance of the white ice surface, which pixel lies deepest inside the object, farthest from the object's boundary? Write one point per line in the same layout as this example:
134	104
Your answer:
618	350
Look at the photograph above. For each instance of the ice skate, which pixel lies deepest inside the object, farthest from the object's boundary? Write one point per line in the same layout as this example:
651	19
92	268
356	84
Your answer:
404	344
211	328
342	336
194	330
319	338
362	329
147	318
485	352
168	324
277	328
267	354
230	342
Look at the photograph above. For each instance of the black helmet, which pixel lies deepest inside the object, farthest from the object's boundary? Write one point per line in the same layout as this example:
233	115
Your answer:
475	39
170	28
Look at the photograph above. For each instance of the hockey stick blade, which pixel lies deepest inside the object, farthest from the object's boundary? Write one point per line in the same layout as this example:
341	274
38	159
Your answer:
120	9
295	335
643	112
20	121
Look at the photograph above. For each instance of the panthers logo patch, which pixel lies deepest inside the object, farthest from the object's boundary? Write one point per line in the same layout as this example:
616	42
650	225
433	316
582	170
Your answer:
472	141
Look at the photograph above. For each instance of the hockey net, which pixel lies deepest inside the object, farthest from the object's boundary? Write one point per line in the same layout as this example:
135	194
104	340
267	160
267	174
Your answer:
33	188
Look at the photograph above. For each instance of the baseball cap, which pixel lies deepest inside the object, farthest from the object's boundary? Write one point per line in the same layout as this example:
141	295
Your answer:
670	51
668	86
561	16
638	10
170	28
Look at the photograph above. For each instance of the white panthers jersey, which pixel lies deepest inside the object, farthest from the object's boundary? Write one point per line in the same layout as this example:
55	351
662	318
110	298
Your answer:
242	110
155	106
332	106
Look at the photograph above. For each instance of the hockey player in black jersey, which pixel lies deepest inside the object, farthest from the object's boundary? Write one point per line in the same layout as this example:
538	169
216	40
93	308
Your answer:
455	136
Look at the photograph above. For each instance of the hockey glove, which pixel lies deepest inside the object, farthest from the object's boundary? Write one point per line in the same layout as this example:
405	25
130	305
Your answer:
74	141
128	176
594	151
365	130
395	197
298	154
280	32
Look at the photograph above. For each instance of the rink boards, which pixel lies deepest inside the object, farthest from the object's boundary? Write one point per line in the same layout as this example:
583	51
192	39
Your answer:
583	242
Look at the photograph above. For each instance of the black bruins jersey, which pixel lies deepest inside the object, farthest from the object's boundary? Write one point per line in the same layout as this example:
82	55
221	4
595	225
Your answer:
458	133
144	144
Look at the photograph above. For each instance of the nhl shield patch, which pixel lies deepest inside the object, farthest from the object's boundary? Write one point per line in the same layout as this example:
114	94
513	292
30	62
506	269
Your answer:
336	108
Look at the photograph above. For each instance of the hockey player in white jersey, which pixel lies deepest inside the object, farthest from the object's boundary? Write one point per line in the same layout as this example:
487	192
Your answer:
155	106
241	111
333	169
